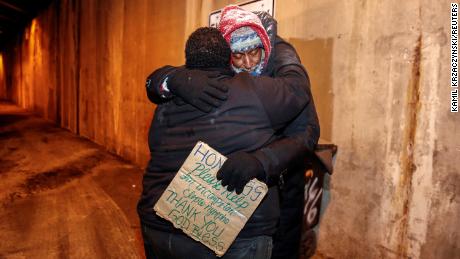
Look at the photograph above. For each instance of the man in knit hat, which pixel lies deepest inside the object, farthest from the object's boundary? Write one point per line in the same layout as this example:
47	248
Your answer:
177	127
282	160
248	39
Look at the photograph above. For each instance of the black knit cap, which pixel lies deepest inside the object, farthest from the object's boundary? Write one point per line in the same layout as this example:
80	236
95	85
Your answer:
206	48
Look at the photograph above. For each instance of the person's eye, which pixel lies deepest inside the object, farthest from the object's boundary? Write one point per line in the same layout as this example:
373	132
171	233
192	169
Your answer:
254	52
237	55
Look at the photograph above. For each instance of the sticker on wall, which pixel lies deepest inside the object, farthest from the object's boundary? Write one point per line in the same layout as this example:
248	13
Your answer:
257	5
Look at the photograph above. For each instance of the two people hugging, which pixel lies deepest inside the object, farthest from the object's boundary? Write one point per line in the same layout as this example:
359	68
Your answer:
244	92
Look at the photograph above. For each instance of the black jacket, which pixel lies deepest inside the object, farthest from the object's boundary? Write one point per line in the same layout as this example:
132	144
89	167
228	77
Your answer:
249	120
300	136
286	154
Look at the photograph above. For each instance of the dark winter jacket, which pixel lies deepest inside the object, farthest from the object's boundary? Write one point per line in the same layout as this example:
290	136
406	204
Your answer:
301	135
247	121
286	154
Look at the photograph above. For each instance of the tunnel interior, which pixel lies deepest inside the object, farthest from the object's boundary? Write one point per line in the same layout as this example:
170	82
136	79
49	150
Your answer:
74	121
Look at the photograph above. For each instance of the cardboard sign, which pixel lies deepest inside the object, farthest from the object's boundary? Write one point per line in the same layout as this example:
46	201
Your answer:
196	202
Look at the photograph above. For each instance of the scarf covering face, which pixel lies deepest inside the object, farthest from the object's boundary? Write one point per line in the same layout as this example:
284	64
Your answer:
255	71
233	17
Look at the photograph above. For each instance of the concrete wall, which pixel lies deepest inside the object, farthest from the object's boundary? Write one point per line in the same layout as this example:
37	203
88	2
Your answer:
3	95
380	78
83	65
383	67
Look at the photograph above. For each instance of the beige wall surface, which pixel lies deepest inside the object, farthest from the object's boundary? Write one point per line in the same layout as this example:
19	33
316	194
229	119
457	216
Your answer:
380	78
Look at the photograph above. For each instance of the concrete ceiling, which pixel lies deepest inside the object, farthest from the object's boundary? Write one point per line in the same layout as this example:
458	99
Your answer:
15	14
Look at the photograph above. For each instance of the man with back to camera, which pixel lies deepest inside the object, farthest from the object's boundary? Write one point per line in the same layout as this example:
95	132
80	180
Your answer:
177	127
200	89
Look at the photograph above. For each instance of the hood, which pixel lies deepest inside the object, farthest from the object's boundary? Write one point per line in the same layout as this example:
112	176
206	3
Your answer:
271	27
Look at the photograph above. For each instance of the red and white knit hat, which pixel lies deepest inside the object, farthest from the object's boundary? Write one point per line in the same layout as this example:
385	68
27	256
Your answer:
234	17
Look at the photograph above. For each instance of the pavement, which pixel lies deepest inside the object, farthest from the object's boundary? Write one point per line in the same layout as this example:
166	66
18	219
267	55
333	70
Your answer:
63	196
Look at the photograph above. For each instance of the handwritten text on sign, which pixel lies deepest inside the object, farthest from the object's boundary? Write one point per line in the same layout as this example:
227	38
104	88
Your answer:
196	202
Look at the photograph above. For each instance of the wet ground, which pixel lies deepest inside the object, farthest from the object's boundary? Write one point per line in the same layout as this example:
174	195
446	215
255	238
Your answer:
62	196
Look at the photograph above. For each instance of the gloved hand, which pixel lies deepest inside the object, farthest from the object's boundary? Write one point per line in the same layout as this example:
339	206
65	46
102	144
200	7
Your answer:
238	170
193	87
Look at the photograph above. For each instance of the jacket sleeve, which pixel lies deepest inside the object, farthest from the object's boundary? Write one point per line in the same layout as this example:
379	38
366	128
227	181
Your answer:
302	134
283	97
155	91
